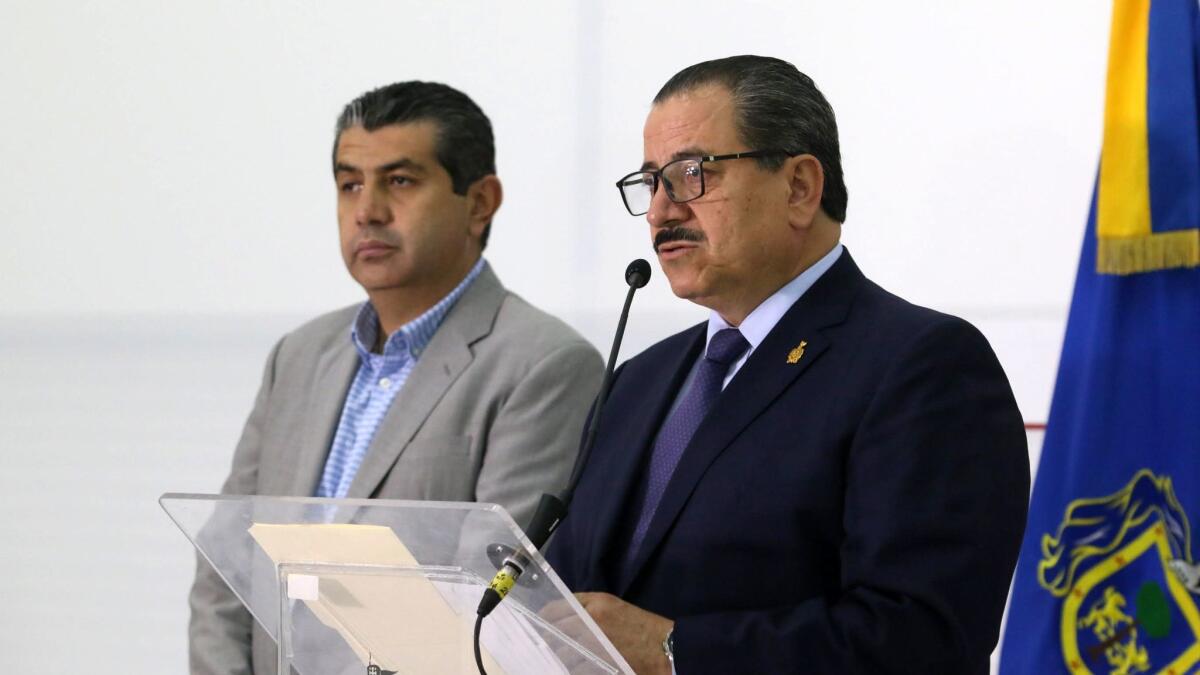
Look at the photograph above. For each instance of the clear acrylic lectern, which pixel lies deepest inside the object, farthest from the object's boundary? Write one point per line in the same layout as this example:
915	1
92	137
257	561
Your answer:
344	585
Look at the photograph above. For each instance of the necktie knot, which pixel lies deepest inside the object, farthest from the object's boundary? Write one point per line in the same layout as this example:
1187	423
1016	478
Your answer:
726	346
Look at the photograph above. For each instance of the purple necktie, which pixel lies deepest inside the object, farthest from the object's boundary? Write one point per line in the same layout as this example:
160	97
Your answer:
724	348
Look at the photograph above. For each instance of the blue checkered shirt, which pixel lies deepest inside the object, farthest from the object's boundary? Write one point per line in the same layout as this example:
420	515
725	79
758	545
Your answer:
379	378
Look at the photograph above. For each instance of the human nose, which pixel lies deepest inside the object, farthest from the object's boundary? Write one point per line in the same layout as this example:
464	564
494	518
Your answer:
663	212
372	207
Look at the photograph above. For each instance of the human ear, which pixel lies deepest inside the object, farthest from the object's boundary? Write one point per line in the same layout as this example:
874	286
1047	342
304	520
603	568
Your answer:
484	198
806	182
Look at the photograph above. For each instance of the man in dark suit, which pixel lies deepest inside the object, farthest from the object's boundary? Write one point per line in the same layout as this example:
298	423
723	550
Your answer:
823	478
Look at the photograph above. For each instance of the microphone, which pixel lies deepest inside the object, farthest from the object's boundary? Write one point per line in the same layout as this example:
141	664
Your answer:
636	275
553	508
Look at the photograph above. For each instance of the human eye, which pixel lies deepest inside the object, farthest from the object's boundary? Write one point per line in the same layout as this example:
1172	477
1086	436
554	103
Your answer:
398	180
349	186
692	173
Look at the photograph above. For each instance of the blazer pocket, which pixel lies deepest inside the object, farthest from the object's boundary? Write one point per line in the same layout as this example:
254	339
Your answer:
438	468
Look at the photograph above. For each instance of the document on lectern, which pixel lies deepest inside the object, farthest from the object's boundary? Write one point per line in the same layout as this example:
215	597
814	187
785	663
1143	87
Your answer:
367	610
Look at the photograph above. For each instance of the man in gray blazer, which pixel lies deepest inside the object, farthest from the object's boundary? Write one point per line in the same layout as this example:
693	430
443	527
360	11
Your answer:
443	385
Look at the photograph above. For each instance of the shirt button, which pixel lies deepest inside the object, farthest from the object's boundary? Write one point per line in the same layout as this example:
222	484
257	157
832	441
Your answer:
385	383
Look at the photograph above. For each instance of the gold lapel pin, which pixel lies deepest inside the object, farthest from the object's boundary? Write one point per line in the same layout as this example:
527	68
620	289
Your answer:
795	354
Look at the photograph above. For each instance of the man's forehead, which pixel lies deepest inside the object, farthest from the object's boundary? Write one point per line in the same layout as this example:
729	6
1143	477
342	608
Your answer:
697	120
413	140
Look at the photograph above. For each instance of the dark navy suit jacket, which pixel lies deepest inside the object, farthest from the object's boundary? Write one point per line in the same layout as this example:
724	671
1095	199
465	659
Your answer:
857	511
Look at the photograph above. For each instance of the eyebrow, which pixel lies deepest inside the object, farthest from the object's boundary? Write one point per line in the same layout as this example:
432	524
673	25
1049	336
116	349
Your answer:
691	152
402	163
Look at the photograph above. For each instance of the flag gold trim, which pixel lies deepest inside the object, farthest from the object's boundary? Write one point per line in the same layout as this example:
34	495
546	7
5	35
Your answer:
1148	253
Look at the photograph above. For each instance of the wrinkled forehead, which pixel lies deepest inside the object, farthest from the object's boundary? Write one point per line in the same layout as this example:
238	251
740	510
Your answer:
690	123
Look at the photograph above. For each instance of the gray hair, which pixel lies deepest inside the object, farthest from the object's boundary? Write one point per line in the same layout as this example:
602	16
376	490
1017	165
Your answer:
777	107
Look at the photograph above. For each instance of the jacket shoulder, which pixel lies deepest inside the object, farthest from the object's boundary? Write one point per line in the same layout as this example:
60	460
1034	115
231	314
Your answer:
529	329
888	318
320	333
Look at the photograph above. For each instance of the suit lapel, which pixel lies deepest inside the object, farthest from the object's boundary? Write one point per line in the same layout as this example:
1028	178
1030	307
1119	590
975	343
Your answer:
761	380
638	428
445	358
335	370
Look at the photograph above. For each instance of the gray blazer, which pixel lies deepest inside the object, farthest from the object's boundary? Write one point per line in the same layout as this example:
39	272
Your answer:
492	412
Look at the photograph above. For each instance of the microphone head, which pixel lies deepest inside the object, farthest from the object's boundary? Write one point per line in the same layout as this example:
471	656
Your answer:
638	273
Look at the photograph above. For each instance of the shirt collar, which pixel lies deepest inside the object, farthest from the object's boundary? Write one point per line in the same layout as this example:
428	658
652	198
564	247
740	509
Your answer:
764	317
413	336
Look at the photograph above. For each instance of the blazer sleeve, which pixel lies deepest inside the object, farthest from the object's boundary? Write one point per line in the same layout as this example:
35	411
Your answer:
219	627
936	494
532	443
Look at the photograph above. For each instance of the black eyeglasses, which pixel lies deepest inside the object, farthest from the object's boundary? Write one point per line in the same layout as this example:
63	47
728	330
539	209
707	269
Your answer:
683	178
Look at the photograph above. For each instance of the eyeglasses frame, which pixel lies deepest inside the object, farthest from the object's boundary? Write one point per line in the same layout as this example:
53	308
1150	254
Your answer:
658	174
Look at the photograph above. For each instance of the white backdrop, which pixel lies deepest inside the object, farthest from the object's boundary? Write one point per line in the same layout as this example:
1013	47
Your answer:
167	211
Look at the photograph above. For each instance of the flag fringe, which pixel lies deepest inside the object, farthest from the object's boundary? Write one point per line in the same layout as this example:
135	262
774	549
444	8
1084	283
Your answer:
1148	253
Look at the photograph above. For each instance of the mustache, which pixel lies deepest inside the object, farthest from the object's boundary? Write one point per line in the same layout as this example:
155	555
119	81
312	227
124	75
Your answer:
676	234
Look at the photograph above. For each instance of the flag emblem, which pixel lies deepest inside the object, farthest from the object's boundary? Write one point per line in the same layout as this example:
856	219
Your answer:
1123	568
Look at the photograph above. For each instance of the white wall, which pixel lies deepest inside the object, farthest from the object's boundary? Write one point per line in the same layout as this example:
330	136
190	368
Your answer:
167	210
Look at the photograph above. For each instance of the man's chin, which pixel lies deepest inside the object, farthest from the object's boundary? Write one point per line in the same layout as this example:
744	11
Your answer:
379	282
684	286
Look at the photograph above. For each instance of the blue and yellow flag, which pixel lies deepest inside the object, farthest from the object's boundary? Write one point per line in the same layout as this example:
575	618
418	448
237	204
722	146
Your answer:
1109	575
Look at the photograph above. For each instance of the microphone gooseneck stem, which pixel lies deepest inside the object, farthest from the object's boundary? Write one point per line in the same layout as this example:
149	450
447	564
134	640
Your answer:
590	439
553	508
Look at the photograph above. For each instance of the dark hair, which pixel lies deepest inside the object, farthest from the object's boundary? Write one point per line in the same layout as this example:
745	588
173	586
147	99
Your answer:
777	106
464	144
